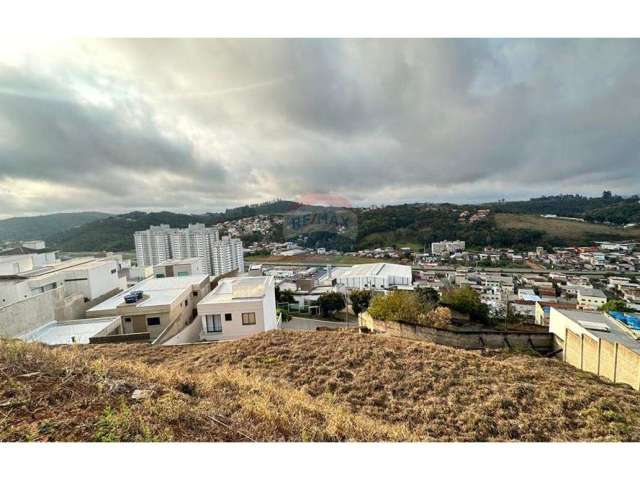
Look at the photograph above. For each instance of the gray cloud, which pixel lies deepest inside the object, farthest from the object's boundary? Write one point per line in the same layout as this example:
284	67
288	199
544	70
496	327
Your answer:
203	124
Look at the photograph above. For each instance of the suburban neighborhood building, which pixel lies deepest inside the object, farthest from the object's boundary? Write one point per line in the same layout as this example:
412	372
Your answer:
155	304
238	307
591	298
179	267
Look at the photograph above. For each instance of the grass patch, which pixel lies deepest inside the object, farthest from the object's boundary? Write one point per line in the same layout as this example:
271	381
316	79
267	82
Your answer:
568	230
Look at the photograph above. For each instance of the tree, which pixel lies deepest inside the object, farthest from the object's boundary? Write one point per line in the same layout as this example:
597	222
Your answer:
427	295
284	296
360	300
615	305
330	303
466	300
398	306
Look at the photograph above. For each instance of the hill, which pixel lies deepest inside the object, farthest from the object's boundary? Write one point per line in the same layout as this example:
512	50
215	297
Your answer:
311	386
43	226
115	233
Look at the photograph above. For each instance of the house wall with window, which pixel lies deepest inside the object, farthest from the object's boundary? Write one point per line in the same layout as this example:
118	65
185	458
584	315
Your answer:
224	317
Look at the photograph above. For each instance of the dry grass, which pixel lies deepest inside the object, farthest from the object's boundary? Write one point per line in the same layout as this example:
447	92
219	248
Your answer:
569	230
287	385
67	395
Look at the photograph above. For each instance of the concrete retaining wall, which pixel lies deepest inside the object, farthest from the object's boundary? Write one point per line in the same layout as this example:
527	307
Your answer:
613	361
467	340
33	312
189	334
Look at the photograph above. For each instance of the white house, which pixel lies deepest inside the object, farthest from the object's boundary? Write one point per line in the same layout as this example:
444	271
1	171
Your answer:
591	298
238	307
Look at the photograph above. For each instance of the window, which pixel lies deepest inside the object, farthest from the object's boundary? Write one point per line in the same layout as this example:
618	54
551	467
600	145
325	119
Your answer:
183	274
249	318
127	319
186	302
153	321
227	317
159	275
113	271
195	294
214	323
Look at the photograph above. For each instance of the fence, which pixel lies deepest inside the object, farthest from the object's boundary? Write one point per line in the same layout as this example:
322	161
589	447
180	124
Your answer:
471	340
613	361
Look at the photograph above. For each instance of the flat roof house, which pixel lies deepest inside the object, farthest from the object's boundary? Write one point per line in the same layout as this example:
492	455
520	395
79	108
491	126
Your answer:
591	298
155	304
179	267
238	307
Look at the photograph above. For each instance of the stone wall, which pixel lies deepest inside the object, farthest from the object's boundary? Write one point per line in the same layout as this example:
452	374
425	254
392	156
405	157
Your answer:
468	340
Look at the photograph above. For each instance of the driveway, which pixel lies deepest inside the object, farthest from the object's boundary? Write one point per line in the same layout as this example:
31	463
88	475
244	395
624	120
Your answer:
299	323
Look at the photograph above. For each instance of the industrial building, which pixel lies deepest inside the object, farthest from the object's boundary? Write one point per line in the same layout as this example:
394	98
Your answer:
369	276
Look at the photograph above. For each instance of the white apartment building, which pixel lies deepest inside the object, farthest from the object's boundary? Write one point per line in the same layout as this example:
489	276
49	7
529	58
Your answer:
440	248
238	307
161	243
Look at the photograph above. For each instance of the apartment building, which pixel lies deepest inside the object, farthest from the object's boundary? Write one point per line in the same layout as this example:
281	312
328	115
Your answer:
238	307
440	248
155	304
161	243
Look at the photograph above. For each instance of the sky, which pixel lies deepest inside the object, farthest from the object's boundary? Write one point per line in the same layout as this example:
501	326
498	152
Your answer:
197	125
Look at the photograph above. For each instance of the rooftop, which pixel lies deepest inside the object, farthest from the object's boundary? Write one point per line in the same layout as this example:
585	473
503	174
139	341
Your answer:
26	251
591	292
157	292
72	331
374	270
238	289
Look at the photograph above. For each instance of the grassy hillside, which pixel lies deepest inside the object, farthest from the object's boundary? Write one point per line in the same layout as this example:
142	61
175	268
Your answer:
566	230
43	226
304	386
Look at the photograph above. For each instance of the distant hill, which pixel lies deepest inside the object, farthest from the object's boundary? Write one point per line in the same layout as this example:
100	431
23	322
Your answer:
115	233
42	226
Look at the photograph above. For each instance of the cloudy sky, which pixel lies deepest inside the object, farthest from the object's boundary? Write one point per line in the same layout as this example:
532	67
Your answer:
201	125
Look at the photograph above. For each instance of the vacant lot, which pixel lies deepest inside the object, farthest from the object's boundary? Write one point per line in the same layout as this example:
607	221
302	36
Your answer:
288	385
568	230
